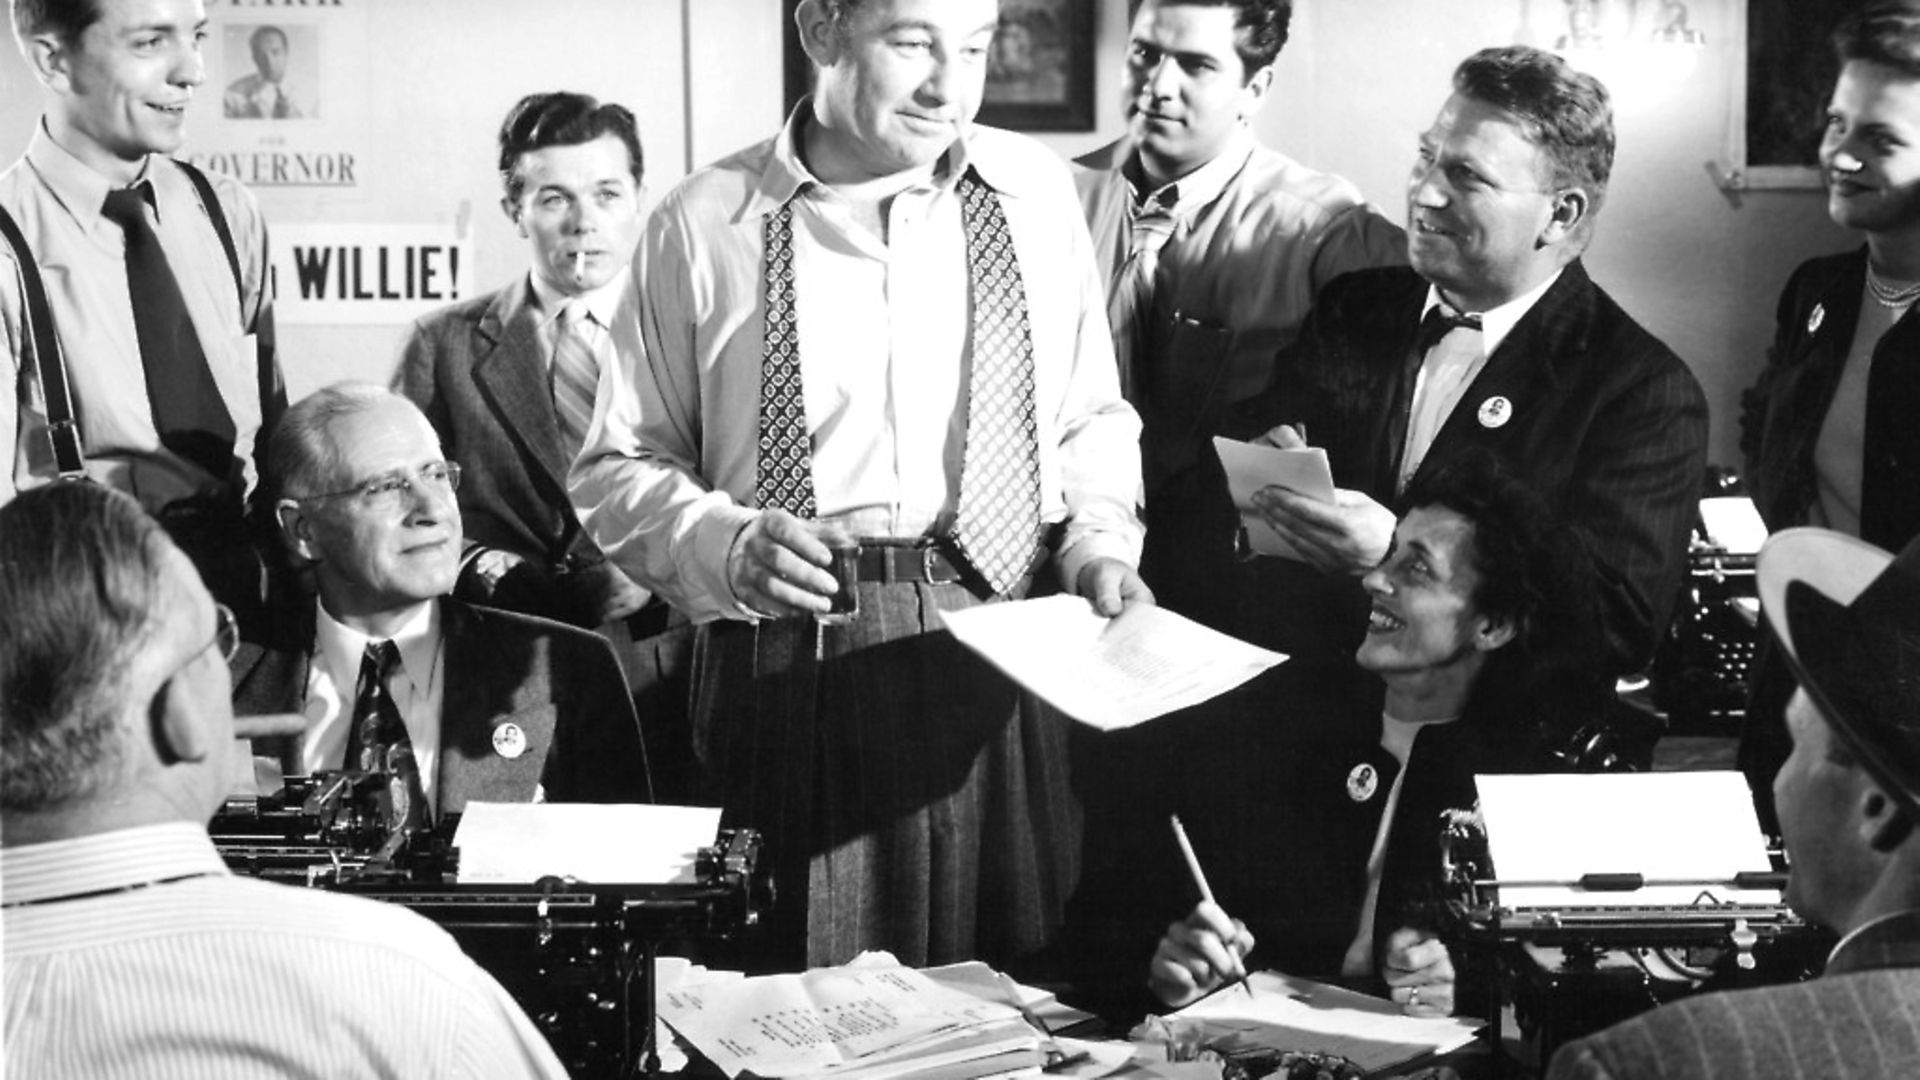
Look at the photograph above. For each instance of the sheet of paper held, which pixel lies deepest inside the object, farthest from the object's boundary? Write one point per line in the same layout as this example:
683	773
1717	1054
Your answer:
519	843
1288	1013
1250	468
1672	825
1110	673
786	1025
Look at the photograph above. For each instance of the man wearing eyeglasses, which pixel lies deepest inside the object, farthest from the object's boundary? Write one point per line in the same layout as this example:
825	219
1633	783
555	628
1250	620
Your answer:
130	949
490	705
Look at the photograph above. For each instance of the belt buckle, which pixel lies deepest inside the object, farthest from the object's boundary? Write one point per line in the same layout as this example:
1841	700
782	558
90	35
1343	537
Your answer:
926	563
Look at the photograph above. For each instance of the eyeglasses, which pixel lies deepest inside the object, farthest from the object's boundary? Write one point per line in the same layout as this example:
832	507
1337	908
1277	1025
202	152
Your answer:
389	493
226	631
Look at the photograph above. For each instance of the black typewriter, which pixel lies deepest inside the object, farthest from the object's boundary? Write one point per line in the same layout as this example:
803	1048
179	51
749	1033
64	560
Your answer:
577	956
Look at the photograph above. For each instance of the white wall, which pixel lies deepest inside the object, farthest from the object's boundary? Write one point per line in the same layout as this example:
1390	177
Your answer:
1358	82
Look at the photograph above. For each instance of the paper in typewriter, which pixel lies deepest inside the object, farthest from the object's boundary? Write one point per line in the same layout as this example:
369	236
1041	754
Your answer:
602	844
1696	826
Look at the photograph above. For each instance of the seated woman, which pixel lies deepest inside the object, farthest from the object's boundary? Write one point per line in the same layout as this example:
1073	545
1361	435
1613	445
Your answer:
1323	831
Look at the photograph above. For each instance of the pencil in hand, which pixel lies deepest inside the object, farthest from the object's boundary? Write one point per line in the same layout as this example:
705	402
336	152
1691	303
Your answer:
1238	973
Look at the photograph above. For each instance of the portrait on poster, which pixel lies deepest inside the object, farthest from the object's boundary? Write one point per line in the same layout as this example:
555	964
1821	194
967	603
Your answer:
281	71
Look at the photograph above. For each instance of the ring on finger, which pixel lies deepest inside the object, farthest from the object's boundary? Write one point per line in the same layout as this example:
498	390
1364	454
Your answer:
1413	998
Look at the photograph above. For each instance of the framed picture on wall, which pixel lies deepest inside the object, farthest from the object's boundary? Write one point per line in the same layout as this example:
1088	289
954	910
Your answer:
1039	74
1785	74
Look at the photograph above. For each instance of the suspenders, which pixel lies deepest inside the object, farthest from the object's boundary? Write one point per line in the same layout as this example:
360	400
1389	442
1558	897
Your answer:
42	347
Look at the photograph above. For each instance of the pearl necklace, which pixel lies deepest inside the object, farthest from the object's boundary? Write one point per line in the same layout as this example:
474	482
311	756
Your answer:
1887	294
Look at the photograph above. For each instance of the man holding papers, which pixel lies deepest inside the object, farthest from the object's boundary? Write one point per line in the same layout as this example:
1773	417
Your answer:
1323	832
1846	616
1496	338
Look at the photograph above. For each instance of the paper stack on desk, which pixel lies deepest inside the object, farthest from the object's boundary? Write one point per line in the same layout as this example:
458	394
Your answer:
1281	1012
869	1020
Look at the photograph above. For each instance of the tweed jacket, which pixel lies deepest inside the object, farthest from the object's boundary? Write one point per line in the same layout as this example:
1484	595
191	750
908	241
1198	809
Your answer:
478	370
562	687
1580	401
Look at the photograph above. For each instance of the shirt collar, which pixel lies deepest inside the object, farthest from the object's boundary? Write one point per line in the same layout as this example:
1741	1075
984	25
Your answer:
786	174
1888	941
104	862
77	185
601	302
1497	322
342	647
1200	187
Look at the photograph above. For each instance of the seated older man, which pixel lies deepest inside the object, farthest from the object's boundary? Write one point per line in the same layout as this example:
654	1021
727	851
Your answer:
1326	833
455	702
129	948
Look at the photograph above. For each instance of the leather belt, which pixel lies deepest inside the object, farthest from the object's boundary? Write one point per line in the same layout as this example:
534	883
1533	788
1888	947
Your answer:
895	564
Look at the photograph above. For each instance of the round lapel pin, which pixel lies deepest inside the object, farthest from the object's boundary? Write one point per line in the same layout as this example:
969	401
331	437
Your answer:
1362	782
1816	317
509	741
1495	412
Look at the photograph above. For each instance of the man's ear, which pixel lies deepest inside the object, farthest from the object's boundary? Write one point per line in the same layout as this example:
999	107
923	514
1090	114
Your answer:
511	208
178	733
817	35
51	61
1884	822
296	529
1569	212
1254	95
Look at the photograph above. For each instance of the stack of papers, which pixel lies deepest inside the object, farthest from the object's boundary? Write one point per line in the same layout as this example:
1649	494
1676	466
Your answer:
869	1020
1280	1012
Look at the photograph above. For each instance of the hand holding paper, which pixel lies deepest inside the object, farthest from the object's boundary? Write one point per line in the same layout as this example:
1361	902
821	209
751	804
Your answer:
1251	467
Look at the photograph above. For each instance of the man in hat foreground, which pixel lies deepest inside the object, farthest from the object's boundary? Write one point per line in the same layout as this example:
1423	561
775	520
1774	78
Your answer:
1847	617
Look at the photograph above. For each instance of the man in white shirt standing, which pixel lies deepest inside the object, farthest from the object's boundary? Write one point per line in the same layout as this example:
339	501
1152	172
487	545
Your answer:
130	950
882	324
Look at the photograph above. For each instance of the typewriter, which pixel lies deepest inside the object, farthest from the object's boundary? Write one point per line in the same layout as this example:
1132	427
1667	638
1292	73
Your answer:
577	956
1700	670
1619	944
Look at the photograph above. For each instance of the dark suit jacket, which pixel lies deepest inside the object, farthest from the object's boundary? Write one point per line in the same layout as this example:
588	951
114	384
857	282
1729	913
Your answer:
1604	421
561	686
1780	419
477	369
1780	416
1859	1020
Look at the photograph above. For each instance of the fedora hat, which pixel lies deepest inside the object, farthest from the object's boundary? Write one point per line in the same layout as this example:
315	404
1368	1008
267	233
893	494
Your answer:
1847	615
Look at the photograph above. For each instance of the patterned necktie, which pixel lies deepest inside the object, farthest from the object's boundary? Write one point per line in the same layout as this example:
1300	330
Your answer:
576	373
1439	322
998	524
188	412
378	741
1130	297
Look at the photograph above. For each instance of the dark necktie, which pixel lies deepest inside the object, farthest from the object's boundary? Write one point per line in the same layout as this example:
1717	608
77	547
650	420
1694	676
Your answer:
1439	321
281	107
998	523
378	741
188	411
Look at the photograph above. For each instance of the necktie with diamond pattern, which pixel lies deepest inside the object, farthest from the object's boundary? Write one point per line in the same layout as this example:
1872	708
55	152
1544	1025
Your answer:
997	526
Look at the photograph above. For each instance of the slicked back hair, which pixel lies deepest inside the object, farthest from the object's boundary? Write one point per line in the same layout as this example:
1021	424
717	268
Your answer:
1260	26
562	118
1565	112
81	583
64	19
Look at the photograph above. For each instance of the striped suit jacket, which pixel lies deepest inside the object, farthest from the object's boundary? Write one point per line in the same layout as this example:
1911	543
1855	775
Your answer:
1601	418
1861	1019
